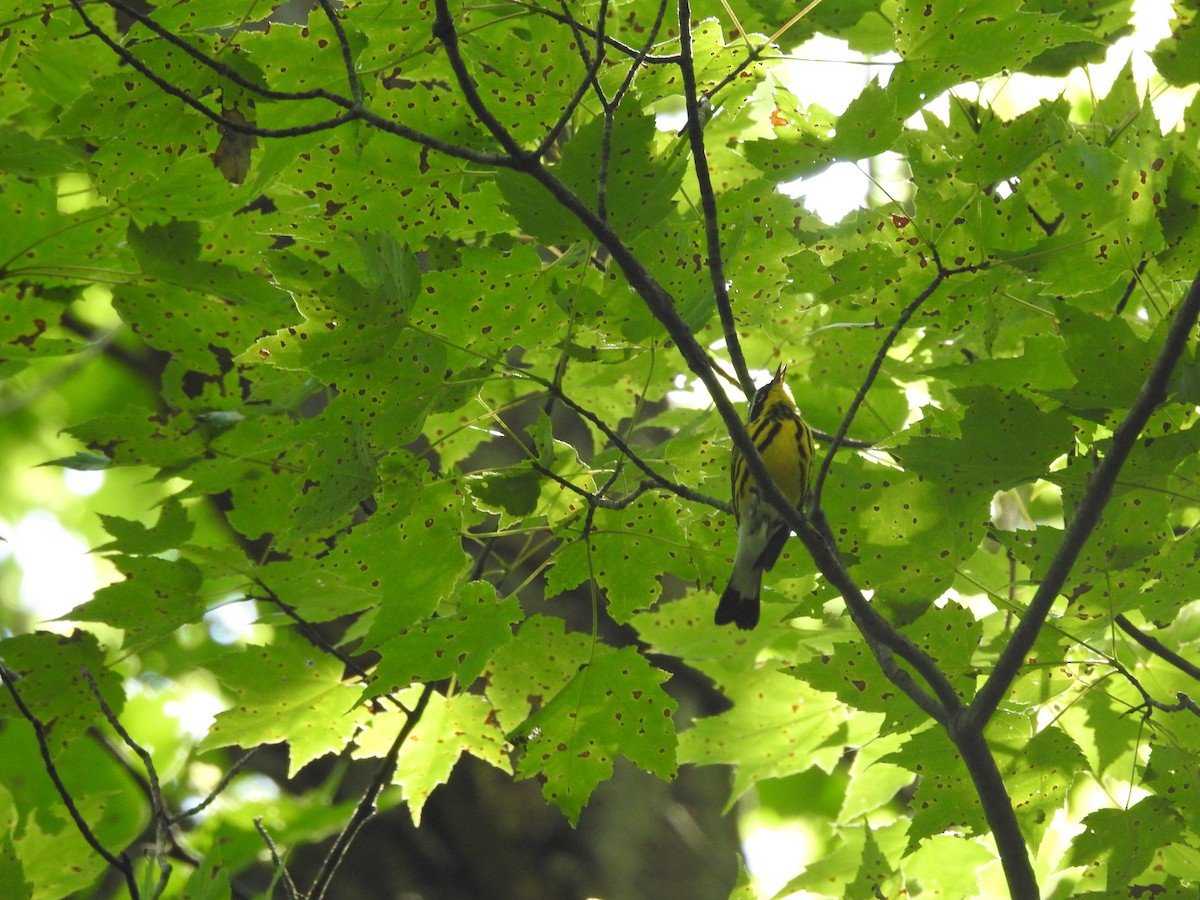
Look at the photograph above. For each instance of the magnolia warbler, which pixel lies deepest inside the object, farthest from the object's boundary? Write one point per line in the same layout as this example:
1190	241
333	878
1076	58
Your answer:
785	444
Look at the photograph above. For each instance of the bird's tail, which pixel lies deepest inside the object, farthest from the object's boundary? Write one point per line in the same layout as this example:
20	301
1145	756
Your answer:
739	603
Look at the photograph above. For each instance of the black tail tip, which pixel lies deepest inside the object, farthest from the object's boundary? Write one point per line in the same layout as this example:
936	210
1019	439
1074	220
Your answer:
738	610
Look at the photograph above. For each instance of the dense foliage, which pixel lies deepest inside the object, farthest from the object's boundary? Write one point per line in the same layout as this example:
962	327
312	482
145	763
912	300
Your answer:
403	329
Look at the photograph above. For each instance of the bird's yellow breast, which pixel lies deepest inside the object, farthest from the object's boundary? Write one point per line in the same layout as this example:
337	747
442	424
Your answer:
779	439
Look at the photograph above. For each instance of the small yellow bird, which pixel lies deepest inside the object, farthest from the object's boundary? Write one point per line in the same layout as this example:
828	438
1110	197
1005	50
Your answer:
785	444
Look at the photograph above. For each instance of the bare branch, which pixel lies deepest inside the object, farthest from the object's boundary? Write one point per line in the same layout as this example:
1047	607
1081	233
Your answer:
347	60
643	55
1088	511
899	677
289	886
1158	648
617	45
366	806
592	65
226	778
447	34
162	821
1149	704
180	94
872	373
199	56
881	635
121	863
708	200
756	53
353	110
598	498
628	452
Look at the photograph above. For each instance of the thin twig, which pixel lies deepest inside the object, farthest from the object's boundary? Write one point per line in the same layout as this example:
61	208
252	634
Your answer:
876	364
786	26
612	42
352	110
366	806
221	785
347	60
610	105
708	201
1186	702
1157	647
185	47
314	637
592	67
289	887
215	117
597	498
121	863
162	832
603	168
1134	281
310	632
756	53
643	55
628	452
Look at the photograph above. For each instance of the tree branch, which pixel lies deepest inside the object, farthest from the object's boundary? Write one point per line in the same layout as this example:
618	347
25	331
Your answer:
997	810
662	306
756	53
872	373
708	200
121	863
366	806
881	635
228	776
1087	513
628	452
642	56
352	109
623	48
162	821
447	34
592	67
180	94
347	60
289	886
1157	647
